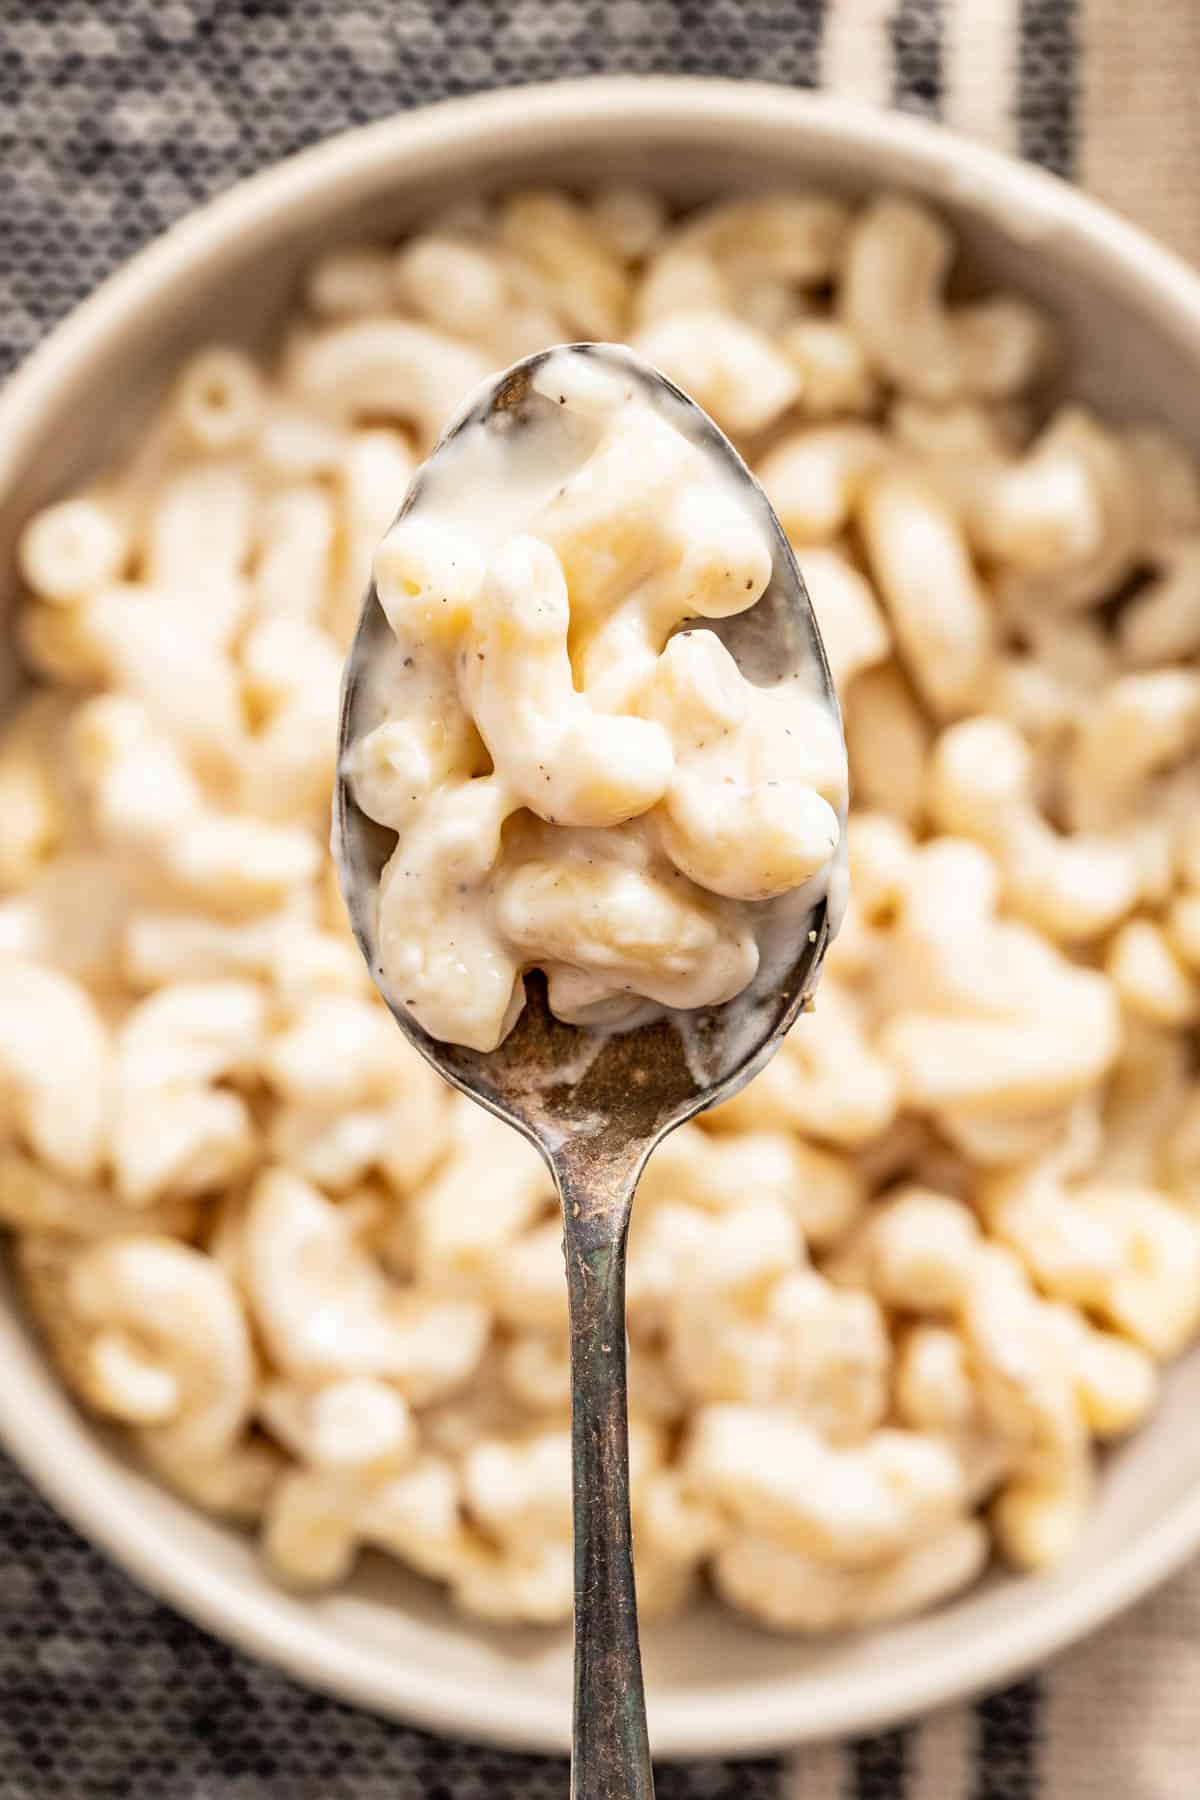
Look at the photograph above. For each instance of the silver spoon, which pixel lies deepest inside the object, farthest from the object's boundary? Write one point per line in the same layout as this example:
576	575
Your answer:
596	1104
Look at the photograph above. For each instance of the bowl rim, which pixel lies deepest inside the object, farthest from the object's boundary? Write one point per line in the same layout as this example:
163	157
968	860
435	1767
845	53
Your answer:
54	1445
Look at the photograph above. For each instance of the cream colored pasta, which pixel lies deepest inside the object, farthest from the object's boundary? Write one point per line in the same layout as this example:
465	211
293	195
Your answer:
644	801
888	1304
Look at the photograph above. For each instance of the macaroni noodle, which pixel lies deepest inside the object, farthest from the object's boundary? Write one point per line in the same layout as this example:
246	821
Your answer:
644	800
888	1303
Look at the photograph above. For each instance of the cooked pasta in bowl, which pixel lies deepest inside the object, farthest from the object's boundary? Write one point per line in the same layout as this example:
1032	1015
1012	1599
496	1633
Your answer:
909	1316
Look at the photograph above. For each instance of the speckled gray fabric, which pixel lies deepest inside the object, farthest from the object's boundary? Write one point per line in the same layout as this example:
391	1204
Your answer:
116	117
106	1695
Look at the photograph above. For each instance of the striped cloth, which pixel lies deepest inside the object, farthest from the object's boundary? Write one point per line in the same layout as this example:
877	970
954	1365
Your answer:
115	117
1100	90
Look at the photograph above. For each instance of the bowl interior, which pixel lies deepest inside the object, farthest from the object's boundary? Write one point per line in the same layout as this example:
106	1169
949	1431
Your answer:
1133	341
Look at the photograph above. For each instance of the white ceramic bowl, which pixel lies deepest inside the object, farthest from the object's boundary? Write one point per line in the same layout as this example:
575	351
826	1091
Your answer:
1131	315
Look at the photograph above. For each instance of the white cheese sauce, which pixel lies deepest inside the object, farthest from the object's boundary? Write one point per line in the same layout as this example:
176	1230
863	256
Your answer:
650	520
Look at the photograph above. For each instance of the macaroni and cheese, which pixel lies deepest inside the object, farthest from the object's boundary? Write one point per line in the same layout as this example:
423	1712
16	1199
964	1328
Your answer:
571	785
887	1305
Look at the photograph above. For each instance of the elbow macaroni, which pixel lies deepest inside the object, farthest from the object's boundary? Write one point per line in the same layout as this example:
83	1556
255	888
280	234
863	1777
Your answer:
885	1303
644	799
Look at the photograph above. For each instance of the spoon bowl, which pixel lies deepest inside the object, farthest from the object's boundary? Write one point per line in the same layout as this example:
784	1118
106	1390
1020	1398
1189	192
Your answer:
596	1100
549	1079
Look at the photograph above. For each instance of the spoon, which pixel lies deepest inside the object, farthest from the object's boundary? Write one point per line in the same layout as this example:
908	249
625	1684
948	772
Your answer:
596	1103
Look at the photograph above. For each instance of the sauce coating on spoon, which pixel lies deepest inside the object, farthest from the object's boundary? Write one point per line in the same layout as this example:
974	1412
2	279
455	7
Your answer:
580	775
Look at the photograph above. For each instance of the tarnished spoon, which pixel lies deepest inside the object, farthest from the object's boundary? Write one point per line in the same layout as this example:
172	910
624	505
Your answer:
595	1104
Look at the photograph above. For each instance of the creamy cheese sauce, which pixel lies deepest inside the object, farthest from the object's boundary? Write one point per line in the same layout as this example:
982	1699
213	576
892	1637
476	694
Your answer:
577	783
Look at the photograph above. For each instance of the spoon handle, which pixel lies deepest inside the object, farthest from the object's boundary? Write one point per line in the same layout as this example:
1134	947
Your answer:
611	1752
